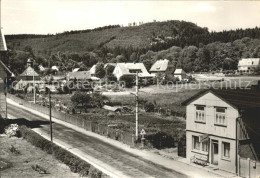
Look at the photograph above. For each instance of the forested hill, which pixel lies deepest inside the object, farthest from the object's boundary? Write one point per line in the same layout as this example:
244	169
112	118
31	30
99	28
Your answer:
179	41
85	40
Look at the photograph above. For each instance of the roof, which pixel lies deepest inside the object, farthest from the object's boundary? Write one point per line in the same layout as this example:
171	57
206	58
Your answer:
160	66
111	108
29	72
110	64
7	69
127	67
92	70
249	62
80	75
2	42
55	68
238	98
76	69
179	71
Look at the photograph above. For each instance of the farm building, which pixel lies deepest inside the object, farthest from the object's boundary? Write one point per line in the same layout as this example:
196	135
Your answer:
28	78
159	67
248	65
80	75
223	126
180	74
129	69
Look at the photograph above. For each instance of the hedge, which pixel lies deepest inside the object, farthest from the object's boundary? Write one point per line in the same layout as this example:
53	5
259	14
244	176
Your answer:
75	164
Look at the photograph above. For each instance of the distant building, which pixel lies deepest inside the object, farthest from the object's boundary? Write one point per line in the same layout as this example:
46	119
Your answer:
159	67
180	74
41	68
123	69
80	75
92	70
248	65
55	68
29	73
222	125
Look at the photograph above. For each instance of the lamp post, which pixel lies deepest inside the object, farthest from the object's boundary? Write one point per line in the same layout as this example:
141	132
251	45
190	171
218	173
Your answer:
49	93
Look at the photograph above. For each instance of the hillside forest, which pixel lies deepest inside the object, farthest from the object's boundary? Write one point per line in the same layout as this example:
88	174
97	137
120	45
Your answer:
184	44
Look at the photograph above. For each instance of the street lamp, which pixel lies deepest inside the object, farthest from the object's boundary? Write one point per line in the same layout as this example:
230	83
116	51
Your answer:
136	71
34	92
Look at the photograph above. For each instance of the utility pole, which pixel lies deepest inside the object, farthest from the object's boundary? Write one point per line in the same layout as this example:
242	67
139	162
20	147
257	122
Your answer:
34	92
6	85
50	112
136	110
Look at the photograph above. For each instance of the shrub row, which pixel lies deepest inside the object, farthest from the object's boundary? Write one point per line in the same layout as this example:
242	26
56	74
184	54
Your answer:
75	164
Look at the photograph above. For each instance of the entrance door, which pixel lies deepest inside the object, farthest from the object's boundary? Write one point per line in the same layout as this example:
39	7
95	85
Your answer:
214	152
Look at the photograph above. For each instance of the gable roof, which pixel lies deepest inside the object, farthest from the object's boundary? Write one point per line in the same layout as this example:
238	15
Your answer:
92	70
80	75
238	98
127	67
29	72
160	66
179	71
249	62
2	42
110	64
6	68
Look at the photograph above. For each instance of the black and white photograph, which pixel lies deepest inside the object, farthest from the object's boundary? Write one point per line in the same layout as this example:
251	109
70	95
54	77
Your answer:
129	89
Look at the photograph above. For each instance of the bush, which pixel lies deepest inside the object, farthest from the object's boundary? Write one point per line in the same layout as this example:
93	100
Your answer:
149	107
75	164
161	140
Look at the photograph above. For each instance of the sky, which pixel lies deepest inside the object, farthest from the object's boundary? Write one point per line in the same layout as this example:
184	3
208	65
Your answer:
55	16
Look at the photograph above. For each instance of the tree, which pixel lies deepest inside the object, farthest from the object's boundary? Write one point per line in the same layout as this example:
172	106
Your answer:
81	98
97	99
100	71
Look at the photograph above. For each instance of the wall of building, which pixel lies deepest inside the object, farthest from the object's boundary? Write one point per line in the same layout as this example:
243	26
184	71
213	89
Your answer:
223	164
211	101
215	132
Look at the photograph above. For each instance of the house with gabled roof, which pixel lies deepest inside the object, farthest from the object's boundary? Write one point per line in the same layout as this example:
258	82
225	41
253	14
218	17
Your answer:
159	67
130	69
180	74
248	65
223	126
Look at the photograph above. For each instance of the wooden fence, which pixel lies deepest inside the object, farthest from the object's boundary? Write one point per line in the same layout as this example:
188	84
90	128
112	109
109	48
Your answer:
248	168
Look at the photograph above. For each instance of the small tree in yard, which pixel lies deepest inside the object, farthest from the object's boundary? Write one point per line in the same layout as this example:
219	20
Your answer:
100	71
97	99
81	98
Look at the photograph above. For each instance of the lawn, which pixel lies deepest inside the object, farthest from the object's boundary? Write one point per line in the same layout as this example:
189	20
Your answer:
29	156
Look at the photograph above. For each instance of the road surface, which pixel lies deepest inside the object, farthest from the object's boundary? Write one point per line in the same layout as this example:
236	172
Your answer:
131	165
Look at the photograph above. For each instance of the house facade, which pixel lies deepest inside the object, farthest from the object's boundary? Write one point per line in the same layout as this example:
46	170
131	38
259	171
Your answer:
180	74
215	133
130	69
248	65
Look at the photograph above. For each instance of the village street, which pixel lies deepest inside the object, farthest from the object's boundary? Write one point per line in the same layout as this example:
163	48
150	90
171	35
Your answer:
123	162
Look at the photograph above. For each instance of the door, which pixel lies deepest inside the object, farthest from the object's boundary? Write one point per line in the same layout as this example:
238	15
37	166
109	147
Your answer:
214	152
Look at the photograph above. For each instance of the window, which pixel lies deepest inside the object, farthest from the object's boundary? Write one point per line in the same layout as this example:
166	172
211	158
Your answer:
196	143
205	146
220	116
226	150
200	114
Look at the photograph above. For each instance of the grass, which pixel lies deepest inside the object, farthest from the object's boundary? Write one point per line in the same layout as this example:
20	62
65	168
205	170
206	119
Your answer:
21	164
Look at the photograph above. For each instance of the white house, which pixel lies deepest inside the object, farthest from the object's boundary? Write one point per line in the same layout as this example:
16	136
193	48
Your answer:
221	125
248	65
123	69
92	70
159	67
180	74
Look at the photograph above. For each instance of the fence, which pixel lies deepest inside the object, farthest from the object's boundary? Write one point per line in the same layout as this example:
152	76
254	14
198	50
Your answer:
81	121
248	168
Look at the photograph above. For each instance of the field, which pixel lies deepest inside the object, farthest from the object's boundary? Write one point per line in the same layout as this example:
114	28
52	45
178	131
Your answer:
21	163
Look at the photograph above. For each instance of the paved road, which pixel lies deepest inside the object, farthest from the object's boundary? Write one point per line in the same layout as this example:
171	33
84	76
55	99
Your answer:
131	165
